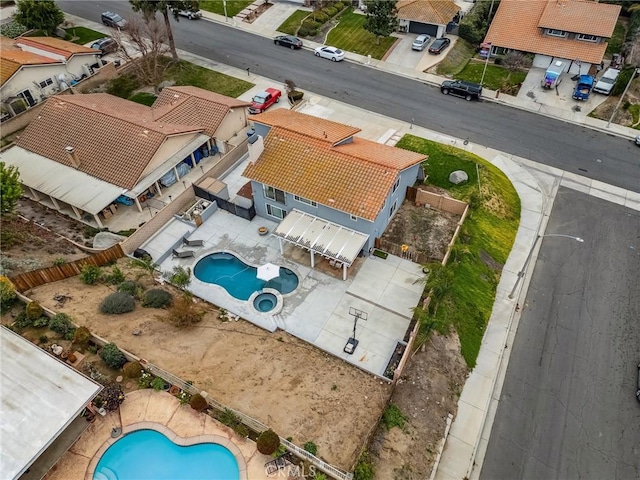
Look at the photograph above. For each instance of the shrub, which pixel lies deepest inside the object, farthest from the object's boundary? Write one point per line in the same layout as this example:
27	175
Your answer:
268	442
42	321
116	277
7	290
157	298
228	417
69	335
198	403
81	338
311	25
34	310
311	447
111	397
132	288
43	339
241	430
622	81
145	380
320	17
296	95
132	369
117	303
22	320
330	11
364	468
61	323
90	274
303	32
112	356
338	6
158	384
179	276
185	313
393	417
58	262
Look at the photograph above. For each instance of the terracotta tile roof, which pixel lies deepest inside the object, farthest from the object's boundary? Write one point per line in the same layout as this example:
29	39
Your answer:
344	177
588	17
194	106
7	69
525	35
114	139
313	127
437	12
55	45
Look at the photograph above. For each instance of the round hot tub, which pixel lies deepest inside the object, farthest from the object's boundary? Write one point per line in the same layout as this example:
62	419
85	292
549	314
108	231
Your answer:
265	302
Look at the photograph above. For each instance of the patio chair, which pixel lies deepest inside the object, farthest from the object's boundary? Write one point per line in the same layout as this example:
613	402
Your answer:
192	243
183	253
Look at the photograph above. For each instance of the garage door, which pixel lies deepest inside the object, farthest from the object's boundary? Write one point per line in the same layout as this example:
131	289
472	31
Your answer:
416	27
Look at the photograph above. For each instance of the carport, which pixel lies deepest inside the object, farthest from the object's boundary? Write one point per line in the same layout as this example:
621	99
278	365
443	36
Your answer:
338	244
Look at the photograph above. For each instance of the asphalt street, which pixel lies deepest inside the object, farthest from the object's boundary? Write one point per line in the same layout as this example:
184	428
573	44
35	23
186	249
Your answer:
568	408
545	140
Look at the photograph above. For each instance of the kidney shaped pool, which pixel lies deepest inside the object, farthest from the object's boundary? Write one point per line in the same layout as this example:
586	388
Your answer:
238	278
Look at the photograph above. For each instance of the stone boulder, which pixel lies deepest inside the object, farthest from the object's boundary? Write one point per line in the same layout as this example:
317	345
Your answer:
458	177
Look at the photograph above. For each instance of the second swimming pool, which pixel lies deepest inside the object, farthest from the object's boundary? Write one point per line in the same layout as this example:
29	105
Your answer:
240	279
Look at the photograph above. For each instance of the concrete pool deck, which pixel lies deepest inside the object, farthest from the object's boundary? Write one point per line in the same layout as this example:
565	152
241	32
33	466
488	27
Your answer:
318	310
148	409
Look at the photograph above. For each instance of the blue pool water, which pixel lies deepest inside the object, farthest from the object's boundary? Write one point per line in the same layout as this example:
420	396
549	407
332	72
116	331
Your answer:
238	278
265	302
147	454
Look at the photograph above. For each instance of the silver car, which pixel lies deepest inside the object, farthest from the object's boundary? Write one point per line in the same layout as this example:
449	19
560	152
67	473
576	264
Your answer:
421	42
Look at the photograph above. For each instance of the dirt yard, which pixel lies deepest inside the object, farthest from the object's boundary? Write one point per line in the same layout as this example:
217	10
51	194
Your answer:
623	116
275	378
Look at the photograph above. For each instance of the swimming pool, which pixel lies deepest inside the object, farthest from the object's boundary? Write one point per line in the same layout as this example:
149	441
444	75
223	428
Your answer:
147	454
239	279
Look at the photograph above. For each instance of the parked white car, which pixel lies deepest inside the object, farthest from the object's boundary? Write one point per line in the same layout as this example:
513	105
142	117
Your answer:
190	14
421	42
332	53
607	81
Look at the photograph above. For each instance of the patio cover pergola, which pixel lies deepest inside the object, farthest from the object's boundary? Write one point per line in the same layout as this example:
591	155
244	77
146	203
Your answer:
328	239
39	397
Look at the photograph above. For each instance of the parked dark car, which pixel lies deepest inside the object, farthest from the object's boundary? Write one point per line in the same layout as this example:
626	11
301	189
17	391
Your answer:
105	45
288	41
459	88
439	45
113	20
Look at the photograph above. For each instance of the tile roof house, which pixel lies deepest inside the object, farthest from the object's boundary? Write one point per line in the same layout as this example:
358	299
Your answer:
426	16
573	30
34	68
316	169
82	152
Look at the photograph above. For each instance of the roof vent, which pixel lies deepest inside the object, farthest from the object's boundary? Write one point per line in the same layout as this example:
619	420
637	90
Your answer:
72	156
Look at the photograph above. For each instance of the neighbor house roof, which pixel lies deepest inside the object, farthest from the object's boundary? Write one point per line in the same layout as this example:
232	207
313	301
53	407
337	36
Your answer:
313	127
56	46
355	178
526	33
39	397
194	106
438	12
114	139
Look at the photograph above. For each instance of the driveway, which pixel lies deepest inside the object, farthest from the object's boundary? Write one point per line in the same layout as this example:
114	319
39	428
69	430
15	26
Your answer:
402	54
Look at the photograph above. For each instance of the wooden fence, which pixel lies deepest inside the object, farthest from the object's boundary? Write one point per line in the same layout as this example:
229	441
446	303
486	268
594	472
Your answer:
28	280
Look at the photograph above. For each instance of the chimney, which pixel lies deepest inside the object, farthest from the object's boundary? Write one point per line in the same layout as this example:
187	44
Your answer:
73	158
255	144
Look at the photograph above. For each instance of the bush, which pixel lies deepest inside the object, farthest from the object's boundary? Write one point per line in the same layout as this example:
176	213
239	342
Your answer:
157	298
132	288
330	11
22	321
34	310
90	274
58	262
338	6
111	397
268	442
158	384
311	447
112	356
185	313
43	339
198	403
117	303
364	468
123	86
42	321
393	417
320	17
311	25
303	32
179	276
116	277
622	81
241	430
7	291
61	324
296	95
132	369
81	338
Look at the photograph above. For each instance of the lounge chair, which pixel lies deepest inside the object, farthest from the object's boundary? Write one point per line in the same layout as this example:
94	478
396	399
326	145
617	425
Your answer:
183	253
192	243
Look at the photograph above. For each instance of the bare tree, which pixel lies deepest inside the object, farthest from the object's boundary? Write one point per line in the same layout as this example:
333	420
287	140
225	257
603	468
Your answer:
150	53
516	61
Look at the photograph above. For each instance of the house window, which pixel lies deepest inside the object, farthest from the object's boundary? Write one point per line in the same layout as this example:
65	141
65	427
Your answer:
304	200
392	209
274	194
26	95
46	83
276	211
397	184
556	33
587	38
354	218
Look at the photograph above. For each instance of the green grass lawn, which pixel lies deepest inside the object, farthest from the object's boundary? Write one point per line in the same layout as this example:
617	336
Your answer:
82	35
234	7
634	110
456	59
496	76
144	98
185	73
351	36
291	24
482	248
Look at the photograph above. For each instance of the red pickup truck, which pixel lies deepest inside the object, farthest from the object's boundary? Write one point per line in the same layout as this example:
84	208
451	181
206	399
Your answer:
263	100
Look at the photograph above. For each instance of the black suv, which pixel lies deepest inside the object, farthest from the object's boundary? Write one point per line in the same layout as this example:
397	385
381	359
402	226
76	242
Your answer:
466	90
105	45
113	20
